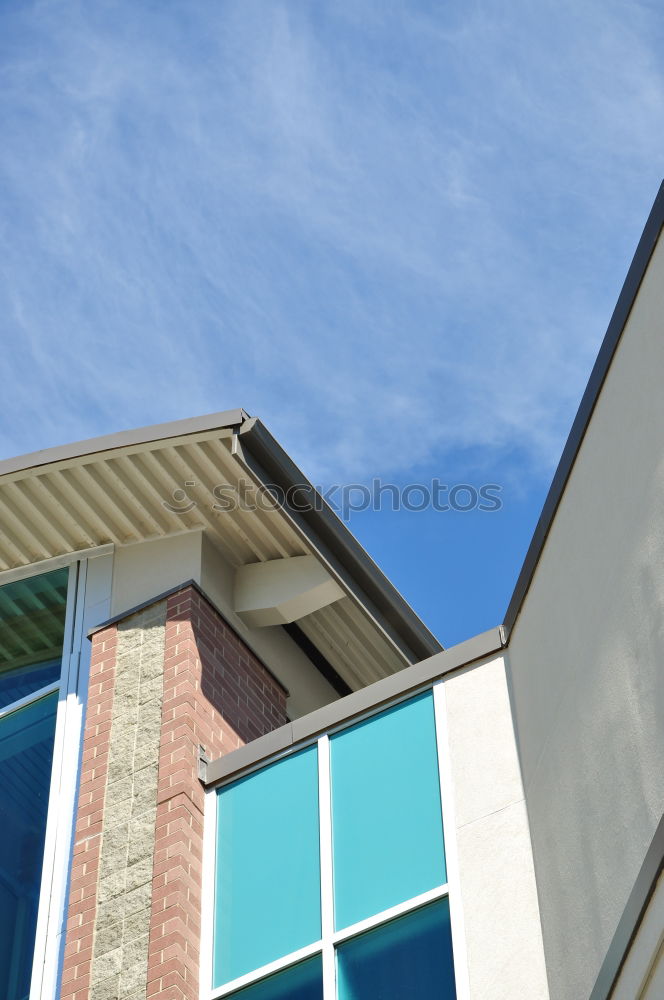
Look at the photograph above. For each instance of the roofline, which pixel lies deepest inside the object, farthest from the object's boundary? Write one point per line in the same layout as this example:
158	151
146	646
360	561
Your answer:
122	439
267	461
367	700
617	323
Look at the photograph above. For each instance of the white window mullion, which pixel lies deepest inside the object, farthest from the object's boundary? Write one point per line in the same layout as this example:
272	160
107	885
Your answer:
52	914
208	894
449	831
46	888
72	725
326	871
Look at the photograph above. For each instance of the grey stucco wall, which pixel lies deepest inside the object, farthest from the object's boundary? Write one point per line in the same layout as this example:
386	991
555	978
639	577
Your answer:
586	662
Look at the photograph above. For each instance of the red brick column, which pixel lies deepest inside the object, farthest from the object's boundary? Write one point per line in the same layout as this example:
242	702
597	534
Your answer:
89	821
219	695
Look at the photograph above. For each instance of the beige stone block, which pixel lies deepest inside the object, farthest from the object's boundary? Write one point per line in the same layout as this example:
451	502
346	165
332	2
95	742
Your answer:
139	873
109	989
108	935
111	886
106	965
141	836
133	976
119	791
139	901
151	688
146	754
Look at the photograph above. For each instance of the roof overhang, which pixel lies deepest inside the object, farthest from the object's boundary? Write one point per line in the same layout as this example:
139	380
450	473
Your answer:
167	479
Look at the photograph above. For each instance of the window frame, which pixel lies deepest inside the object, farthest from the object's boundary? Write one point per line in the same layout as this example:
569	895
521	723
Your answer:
71	688
331	938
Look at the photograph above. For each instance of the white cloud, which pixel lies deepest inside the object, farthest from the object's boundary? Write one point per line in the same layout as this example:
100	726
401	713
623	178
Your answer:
392	230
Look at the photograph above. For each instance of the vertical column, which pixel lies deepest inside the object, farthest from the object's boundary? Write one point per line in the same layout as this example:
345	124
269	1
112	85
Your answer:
163	682
216	695
89	821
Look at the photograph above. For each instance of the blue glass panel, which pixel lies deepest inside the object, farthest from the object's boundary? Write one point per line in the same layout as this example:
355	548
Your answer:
302	982
386	814
32	626
407	959
268	866
26	751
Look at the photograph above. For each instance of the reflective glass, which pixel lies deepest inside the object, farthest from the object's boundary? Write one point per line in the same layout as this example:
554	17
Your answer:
407	959
26	751
386	814
302	982
268	866
32	627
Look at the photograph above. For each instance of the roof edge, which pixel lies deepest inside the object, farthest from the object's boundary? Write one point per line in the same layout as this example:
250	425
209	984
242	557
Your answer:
617	323
121	439
272	465
369	699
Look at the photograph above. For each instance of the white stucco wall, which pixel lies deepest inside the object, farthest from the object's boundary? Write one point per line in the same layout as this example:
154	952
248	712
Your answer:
497	880
586	662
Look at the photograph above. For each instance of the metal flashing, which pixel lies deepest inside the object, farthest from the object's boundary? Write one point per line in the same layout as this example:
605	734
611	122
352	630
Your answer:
123	439
626	299
267	461
358	703
628	925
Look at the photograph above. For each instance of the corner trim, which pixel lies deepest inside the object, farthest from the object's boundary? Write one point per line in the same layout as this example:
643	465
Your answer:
629	923
626	299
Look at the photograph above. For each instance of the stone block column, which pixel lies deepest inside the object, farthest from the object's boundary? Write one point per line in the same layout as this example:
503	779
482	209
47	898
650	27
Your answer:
164	682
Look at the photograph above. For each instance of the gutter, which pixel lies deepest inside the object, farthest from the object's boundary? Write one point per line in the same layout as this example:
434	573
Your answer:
268	464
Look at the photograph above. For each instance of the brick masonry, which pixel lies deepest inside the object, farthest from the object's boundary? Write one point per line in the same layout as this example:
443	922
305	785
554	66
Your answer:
218	695
168	679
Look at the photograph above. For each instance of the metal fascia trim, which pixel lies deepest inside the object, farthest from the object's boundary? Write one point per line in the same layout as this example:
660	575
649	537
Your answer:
266	459
122	439
345	709
600	370
632	915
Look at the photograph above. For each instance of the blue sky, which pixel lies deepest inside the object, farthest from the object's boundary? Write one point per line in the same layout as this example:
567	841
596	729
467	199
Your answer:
394	230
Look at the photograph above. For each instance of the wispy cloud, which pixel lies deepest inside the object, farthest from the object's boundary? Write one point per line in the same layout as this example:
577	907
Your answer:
391	229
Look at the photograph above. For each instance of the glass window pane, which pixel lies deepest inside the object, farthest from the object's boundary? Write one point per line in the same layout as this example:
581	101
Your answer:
26	751
386	814
408	958
268	866
302	982
32	627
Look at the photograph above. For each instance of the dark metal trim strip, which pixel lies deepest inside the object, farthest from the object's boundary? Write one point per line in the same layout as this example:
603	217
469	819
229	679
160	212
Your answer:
360	702
632	915
637	270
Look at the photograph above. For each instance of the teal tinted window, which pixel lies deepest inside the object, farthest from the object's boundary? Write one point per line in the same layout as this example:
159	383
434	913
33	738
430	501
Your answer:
386	814
302	982
407	958
268	866
32	626
26	750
